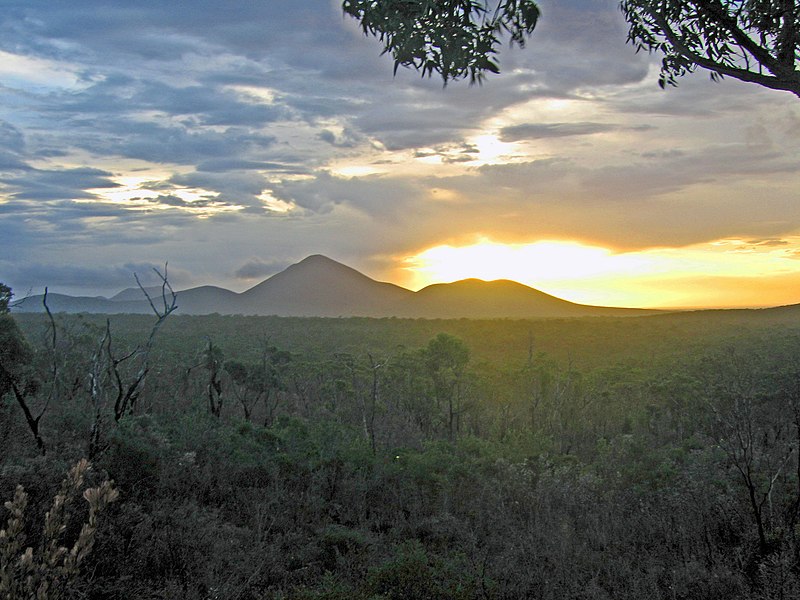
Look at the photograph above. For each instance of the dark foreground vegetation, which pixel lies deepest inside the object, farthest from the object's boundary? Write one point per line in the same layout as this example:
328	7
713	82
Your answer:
254	458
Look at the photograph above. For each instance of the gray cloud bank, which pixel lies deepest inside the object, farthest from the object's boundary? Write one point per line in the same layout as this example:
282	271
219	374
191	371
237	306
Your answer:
251	100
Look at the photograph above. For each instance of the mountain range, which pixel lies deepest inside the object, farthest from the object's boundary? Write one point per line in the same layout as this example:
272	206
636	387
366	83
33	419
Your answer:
318	286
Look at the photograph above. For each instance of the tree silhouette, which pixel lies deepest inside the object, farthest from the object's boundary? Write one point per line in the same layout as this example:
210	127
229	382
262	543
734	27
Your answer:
756	41
453	38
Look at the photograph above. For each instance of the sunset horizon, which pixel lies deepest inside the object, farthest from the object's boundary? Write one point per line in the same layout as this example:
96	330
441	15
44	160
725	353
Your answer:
231	152
641	279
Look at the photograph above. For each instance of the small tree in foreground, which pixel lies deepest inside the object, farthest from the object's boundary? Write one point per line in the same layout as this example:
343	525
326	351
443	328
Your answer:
45	573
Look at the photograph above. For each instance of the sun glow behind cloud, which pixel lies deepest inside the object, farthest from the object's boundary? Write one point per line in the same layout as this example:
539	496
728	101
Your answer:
490	150
134	194
725	273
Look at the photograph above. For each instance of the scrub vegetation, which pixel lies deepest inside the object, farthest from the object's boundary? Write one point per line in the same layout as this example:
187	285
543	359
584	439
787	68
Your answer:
293	458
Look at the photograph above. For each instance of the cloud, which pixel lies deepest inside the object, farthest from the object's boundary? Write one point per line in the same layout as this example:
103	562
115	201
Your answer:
233	187
110	277
533	131
199	104
772	242
65	184
347	139
11	138
223	165
374	195
182	144
256	268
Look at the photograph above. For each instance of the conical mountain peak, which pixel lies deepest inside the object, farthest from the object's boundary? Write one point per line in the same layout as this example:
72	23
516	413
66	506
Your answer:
321	286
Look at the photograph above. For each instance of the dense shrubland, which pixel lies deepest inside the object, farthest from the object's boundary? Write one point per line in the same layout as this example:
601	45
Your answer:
354	458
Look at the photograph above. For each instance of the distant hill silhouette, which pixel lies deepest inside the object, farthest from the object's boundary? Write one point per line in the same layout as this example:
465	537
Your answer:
478	299
321	287
77	304
134	294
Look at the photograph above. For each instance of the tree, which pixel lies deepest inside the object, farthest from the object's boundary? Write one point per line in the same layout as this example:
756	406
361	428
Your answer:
755	421
5	298
756	41
264	378
454	38
211	359
15	357
446	358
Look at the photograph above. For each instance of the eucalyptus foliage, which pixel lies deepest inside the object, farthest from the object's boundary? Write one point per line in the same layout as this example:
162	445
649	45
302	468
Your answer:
756	41
453	38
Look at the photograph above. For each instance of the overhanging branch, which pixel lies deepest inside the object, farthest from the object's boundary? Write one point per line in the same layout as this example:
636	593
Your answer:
790	84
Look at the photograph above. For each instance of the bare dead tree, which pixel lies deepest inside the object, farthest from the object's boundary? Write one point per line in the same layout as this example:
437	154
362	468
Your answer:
107	378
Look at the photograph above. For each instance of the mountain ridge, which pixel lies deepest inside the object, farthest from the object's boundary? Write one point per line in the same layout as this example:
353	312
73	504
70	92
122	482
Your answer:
319	286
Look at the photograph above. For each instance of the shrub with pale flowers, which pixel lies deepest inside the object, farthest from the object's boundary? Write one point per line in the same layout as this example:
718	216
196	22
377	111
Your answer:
44	573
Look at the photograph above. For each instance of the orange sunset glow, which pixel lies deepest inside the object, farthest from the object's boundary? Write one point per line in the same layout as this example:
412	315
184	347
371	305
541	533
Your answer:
724	273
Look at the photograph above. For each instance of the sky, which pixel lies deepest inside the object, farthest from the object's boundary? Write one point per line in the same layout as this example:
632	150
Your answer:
232	139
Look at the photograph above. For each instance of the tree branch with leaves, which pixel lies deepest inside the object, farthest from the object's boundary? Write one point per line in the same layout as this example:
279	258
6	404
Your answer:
455	39
756	41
